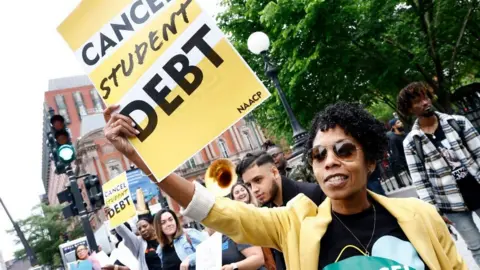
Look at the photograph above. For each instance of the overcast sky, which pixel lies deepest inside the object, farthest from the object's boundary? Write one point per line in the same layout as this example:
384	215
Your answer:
32	52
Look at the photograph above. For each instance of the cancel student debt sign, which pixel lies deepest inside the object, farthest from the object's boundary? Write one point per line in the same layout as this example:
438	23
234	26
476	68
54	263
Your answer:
119	201
169	67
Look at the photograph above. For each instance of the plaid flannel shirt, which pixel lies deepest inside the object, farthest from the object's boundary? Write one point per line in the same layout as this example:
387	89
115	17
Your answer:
433	178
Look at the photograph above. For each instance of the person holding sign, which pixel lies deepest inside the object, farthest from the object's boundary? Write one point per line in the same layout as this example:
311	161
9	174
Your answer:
121	257
352	229
177	245
85	259
144	246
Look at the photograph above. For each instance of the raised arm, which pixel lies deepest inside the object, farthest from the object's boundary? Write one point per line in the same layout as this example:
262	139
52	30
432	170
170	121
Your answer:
130	239
243	223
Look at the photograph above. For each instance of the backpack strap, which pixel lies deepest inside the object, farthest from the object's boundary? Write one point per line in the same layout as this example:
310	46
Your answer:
457	128
418	147
189	240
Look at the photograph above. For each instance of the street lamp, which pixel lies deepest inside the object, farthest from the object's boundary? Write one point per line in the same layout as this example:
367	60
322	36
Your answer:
258	43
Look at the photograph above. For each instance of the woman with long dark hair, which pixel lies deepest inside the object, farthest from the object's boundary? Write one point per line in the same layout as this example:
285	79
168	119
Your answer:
177	245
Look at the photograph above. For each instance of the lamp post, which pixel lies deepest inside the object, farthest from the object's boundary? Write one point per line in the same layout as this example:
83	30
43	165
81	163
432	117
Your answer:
259	43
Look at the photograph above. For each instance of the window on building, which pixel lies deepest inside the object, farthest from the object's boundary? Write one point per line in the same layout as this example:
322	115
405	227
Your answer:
247	139
81	109
114	168
97	101
223	148
62	108
191	163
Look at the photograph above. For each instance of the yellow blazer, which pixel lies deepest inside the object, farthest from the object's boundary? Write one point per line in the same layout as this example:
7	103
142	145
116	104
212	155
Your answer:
296	229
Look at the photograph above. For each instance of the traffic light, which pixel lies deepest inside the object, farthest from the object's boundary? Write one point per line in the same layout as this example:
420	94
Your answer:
61	149
94	191
66	196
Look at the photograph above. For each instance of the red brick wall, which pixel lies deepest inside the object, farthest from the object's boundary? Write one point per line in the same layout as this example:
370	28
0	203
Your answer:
75	120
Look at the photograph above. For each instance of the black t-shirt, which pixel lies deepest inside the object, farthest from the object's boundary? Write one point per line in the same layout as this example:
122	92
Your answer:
231	251
290	189
151	257
389	241
170	258
467	184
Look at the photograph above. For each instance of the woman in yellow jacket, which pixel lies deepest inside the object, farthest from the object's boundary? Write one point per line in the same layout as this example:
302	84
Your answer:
352	229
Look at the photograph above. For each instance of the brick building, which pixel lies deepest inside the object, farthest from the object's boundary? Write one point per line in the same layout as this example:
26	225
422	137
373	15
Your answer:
74	98
79	103
95	155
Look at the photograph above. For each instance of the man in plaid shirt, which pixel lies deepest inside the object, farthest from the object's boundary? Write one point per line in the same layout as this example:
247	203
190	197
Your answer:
443	157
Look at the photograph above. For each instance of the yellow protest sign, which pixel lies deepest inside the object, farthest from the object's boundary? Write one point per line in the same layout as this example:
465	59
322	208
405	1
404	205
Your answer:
169	67
118	200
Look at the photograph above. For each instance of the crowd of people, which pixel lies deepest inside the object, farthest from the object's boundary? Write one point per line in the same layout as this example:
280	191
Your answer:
324	214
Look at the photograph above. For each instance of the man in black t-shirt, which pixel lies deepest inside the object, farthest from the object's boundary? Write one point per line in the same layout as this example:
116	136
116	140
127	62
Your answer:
443	156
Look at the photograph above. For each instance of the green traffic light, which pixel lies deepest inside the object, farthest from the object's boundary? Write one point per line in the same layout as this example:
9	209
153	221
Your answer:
66	153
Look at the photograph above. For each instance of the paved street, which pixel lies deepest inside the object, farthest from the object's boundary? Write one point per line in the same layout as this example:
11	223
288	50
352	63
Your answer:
464	252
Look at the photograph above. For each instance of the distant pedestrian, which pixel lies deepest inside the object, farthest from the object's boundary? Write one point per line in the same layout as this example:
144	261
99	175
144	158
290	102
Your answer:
443	156
82	253
396	153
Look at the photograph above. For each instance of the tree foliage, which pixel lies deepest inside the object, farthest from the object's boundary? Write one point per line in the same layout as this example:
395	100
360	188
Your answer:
45	230
356	50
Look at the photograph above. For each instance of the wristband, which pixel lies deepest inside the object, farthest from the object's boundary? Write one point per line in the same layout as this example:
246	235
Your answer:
234	266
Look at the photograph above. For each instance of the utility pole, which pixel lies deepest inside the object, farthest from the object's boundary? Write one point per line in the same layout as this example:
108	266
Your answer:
82	211
30	254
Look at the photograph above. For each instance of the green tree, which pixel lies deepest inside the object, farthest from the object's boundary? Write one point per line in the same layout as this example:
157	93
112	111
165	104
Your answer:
45	230
355	50
381	111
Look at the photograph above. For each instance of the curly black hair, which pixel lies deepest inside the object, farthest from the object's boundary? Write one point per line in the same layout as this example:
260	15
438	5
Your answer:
357	122
410	92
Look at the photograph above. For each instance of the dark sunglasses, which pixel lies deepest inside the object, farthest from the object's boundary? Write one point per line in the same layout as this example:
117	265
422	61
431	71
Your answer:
344	150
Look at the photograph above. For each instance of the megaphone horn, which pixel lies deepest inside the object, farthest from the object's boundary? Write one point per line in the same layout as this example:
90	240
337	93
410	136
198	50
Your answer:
220	177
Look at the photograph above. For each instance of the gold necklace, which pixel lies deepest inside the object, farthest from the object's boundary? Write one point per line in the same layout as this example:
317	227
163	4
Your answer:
373	232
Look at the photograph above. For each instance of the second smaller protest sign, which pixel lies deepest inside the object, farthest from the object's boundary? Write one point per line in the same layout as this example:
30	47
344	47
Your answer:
118	200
